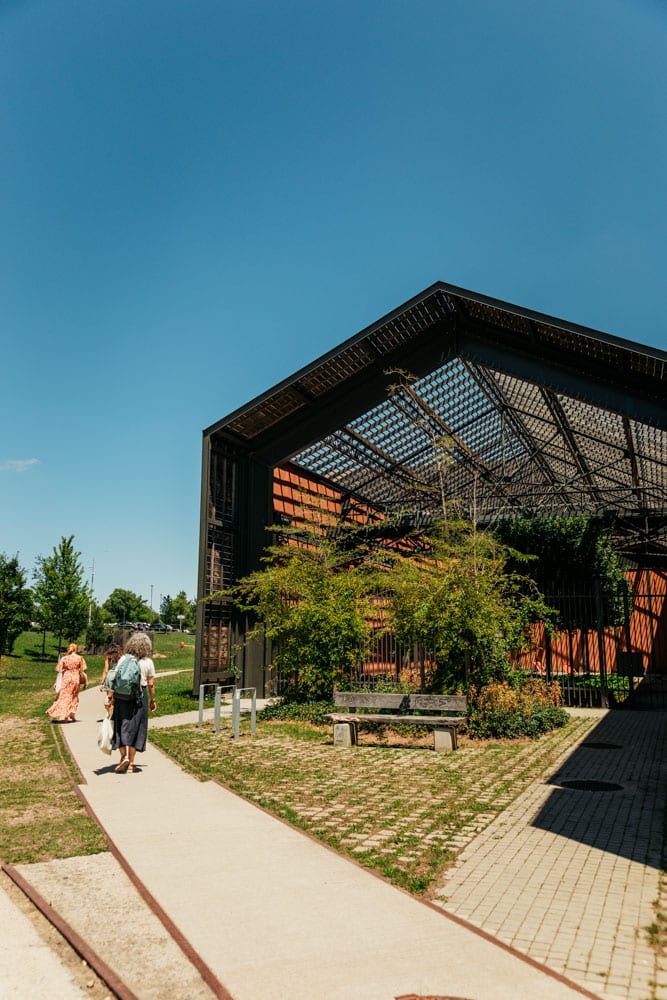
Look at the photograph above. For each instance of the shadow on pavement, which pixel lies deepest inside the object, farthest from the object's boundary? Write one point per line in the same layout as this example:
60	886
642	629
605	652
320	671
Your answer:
611	792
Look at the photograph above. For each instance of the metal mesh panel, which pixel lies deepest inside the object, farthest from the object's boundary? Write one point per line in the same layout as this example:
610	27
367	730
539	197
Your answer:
220	563
215	643
267	413
510	444
342	366
222	492
497	317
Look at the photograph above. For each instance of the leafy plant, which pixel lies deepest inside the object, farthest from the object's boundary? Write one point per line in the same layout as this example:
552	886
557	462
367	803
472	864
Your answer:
457	599
314	712
311	600
571	551
172	607
514	707
16	605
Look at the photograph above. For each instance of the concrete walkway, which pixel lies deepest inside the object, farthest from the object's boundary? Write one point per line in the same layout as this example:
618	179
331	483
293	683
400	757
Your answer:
273	913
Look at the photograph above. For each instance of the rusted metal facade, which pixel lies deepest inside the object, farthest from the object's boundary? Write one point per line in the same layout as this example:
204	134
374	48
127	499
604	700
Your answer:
453	397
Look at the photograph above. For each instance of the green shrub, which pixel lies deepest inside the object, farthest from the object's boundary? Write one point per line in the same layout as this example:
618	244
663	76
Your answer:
314	712
528	706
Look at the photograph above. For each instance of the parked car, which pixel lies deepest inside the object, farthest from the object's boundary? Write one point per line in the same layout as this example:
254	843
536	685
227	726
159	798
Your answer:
160	627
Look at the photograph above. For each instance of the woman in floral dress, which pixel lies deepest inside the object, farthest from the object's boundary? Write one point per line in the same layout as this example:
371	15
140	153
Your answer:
71	666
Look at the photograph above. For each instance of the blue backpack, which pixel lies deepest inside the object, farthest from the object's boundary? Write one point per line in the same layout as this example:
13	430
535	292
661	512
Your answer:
127	682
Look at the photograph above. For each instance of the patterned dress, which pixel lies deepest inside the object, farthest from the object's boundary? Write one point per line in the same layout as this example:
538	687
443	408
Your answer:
67	702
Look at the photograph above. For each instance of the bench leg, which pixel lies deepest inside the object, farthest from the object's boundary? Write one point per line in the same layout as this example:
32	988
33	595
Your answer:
345	734
444	739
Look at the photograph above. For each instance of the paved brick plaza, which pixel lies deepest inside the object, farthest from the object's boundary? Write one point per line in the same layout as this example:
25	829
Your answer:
571	877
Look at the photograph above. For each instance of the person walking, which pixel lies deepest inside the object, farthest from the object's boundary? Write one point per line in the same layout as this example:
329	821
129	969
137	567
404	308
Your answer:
72	668
111	657
130	718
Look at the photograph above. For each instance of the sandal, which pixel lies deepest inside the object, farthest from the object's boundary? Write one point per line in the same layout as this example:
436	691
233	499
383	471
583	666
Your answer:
130	768
122	766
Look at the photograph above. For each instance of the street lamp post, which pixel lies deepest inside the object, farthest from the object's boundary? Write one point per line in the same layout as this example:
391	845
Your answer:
181	619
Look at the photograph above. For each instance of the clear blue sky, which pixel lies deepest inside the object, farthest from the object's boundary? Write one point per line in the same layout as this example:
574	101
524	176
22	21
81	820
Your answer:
198	198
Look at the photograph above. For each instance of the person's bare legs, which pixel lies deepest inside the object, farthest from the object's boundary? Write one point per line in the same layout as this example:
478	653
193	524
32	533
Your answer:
132	751
122	765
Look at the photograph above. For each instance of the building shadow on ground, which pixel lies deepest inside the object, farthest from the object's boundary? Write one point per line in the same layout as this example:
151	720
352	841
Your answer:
611	792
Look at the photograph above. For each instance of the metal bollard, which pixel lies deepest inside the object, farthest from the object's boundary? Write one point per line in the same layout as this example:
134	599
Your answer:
216	710
236	711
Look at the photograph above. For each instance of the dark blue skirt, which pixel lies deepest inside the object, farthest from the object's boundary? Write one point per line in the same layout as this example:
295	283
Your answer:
130	722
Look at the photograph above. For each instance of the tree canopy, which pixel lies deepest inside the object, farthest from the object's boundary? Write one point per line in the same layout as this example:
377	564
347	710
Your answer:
61	595
16	604
126	606
572	553
172	607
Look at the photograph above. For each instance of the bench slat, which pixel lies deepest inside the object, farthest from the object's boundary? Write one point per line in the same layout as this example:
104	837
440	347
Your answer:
369	699
416	702
390	720
439	702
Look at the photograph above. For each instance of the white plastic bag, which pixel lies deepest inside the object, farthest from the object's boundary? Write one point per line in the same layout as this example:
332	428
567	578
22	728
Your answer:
59	681
105	735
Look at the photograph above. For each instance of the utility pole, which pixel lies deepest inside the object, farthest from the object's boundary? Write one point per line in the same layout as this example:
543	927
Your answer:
92	582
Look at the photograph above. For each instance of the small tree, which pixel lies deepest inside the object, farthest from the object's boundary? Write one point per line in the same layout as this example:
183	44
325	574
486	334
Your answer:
61	595
311	600
16	604
457	599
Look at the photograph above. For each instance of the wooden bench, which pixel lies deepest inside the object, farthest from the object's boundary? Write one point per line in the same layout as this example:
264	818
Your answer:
445	724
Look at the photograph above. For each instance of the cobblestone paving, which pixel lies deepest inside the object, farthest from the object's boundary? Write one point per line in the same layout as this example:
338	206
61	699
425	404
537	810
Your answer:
572	877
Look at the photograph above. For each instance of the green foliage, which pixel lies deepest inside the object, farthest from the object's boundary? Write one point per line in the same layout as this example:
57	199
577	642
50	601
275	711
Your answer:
126	606
172	607
514	707
457	599
571	551
314	712
96	633
61	595
311	601
16	605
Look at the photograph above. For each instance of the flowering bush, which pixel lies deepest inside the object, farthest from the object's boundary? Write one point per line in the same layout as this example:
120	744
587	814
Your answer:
526	706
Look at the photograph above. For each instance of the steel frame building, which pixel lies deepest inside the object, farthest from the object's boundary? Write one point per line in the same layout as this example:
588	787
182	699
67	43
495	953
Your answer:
453	394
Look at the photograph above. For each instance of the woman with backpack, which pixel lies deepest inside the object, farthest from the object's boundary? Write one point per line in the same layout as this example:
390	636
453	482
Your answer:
133	682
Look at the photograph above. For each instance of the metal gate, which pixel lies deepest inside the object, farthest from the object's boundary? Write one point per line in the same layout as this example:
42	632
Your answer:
617	665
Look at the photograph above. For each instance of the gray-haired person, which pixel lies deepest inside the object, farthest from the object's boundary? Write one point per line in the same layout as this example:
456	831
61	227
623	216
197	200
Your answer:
130	718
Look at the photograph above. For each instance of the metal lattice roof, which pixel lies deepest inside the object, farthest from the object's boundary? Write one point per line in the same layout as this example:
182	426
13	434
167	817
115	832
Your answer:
495	407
